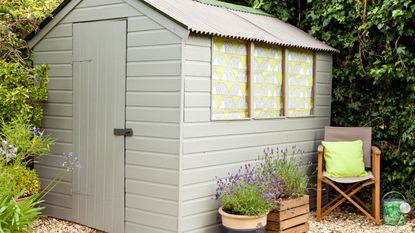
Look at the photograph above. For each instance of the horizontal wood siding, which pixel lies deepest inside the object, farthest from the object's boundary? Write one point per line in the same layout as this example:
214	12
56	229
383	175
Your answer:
214	148
153	112
56	51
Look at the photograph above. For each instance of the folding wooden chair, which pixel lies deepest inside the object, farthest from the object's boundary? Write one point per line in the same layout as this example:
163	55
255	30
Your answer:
354	183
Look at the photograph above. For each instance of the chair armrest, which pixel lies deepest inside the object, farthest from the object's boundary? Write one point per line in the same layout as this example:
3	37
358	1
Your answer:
320	151
375	151
376	162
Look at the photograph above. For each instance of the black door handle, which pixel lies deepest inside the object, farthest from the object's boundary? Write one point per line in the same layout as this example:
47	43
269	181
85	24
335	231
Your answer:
123	132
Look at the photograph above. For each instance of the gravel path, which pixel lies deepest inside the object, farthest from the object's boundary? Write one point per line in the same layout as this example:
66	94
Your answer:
347	221
340	221
53	225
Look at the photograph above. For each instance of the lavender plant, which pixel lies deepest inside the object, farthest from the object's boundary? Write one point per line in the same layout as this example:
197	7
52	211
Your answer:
282	164
249	192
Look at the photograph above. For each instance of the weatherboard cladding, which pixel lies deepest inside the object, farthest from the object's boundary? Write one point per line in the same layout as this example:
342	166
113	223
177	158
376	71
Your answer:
214	20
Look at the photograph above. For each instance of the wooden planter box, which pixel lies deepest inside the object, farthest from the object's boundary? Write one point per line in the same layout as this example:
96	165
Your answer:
292	217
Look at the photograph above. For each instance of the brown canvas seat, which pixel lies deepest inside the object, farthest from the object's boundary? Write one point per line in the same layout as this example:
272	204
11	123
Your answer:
348	180
348	186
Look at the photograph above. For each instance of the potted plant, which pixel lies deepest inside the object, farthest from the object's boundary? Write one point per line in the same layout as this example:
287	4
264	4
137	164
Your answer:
246	198
293	210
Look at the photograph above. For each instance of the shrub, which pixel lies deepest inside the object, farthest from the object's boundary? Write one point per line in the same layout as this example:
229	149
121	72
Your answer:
23	180
22	90
18	216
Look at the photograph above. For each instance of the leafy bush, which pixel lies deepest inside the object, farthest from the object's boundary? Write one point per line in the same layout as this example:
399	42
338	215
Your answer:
249	192
288	168
22	87
373	75
18	216
22	179
22	90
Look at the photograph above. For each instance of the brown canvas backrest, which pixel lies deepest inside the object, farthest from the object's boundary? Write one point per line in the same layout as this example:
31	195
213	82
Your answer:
333	134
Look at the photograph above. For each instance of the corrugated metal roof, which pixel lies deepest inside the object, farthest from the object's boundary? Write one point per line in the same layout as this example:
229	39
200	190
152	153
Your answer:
239	24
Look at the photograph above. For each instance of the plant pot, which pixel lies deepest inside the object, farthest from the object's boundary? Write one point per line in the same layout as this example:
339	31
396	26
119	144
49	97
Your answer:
242	224
292	216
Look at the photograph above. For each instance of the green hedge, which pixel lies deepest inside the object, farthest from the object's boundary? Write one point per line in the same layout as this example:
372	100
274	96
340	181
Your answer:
374	73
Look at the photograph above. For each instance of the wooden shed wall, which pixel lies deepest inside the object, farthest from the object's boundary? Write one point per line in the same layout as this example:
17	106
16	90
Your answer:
213	148
153	102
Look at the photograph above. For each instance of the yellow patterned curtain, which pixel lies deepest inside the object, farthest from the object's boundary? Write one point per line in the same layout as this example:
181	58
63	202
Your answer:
299	73
267	74
229	79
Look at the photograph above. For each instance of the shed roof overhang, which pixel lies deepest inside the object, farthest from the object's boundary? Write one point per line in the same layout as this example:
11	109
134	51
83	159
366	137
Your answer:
217	18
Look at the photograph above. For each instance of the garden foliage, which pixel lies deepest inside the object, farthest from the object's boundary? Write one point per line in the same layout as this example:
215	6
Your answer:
22	87
374	73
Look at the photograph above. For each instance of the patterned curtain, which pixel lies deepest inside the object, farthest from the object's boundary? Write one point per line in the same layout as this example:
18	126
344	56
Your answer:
229	79
267	74
299	73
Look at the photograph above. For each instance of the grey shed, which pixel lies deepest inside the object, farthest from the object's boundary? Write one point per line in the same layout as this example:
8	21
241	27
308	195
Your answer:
146	65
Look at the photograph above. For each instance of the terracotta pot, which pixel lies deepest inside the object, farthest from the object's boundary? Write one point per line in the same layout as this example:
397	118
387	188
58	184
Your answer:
241	223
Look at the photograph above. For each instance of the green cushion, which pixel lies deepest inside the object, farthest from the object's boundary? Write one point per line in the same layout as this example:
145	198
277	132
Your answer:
344	159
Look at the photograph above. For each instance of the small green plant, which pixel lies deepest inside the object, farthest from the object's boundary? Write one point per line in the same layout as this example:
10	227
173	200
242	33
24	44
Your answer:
18	216
288	168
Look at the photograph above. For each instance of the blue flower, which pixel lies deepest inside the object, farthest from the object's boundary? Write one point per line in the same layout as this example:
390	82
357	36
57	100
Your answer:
70	161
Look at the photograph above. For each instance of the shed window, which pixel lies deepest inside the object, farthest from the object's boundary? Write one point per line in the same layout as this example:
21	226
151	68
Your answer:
268	81
300	81
229	79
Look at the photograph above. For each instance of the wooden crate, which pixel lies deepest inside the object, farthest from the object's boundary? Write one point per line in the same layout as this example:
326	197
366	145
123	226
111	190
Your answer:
292	217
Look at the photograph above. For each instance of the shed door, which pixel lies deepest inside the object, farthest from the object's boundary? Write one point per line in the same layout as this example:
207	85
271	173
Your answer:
99	51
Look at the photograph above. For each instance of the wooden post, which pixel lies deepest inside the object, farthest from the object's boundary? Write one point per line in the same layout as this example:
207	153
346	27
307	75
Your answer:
319	184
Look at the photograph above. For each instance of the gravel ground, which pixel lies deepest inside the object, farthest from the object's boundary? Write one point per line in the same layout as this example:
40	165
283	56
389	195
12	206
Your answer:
347	221
340	221
53	225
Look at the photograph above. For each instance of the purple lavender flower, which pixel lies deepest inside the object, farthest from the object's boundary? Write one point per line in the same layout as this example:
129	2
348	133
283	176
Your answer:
70	161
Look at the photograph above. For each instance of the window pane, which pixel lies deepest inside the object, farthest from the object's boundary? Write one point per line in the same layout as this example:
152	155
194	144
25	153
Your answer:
229	79
267	74
299	73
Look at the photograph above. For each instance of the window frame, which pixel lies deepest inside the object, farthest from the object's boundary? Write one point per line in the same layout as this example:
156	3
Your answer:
248	78
287	94
250	46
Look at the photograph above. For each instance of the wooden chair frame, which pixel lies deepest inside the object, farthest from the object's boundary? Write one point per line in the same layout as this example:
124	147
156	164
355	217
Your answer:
373	213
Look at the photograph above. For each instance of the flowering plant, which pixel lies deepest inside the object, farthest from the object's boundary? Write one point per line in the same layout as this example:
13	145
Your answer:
23	143
283	164
249	192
